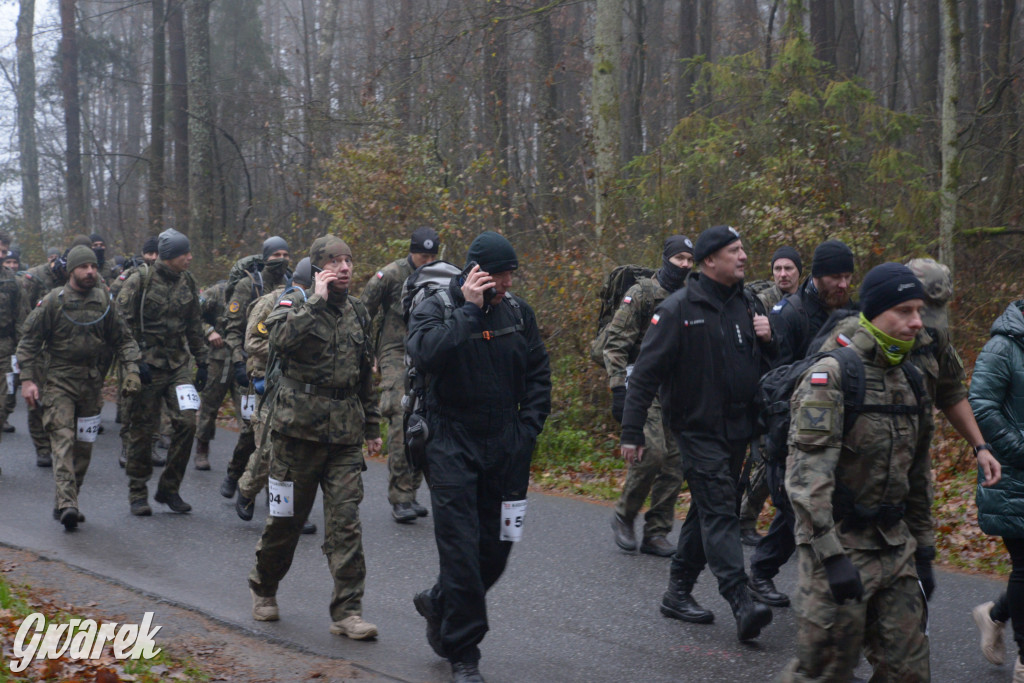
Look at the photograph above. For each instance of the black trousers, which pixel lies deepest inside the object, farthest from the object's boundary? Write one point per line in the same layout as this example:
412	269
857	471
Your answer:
469	475
778	545
710	534
1010	605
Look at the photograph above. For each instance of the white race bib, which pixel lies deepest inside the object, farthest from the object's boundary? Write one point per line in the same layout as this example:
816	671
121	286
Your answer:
188	397
14	365
281	502
248	406
11	378
513	515
88	428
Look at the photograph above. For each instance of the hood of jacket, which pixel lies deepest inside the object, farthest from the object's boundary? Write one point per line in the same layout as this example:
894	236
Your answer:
1011	322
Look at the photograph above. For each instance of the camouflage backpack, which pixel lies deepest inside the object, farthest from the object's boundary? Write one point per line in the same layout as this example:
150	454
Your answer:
615	286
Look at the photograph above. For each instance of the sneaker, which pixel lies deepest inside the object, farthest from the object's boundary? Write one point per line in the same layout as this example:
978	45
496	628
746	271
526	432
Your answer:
69	518
228	486
173	501
403	513
140	508
44	460
427	609
244	507
264	609
354	627
657	545
419	509
991	635
466	672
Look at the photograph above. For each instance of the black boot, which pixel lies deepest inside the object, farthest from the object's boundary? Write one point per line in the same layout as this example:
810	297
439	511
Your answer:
466	672
677	602
751	616
763	590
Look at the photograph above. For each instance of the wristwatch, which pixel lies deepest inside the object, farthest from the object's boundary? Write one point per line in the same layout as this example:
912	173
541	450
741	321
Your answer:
982	447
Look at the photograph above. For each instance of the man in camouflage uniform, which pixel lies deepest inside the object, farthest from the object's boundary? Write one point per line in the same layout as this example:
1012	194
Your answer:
73	327
862	498
383	295
257	348
659	473
13	309
161	307
324	408
266	275
786	270
222	381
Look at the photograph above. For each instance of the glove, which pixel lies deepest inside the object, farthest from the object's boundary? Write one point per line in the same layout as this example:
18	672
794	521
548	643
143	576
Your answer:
923	563
132	384
260	385
618	403
145	374
241	376
843	579
200	381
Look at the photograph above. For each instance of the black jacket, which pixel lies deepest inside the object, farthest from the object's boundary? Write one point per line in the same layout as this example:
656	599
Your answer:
473	377
796	320
700	349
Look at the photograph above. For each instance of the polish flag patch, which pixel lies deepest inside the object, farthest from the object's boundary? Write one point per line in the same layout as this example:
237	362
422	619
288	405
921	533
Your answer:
819	378
627	299
655	319
380	274
843	340
285	302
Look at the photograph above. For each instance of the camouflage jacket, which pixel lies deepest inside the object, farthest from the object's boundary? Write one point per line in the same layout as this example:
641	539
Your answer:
74	330
212	307
13	310
883	460
327	348
933	354
770	296
257	338
628	326
161	308
40	280
246	291
383	294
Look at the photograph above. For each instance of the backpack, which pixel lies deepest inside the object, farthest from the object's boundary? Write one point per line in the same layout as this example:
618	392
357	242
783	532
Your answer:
776	388
615	286
247	265
757	286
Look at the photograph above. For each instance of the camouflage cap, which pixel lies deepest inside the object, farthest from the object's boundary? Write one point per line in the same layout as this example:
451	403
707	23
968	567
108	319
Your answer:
938	284
327	247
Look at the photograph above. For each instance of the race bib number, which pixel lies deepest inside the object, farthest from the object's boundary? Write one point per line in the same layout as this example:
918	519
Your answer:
188	397
11	378
248	406
281	502
513	514
15	368
88	428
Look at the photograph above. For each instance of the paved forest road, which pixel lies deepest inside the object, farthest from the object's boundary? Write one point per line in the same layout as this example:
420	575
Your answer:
570	606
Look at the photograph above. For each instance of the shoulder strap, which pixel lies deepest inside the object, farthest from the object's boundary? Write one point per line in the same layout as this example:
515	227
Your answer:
361	312
518	327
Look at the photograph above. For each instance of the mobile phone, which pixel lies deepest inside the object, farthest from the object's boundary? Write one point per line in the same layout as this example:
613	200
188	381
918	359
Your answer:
488	294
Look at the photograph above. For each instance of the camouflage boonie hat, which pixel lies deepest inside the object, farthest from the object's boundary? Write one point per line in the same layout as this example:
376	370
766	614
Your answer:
938	287
327	247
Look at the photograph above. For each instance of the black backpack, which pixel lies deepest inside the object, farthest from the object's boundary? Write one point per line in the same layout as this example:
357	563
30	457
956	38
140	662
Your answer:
775	390
615	286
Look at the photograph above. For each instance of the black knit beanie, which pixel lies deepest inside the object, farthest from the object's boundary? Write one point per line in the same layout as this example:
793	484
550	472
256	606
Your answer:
171	244
272	244
493	252
790	253
888	285
670	275
832	257
151	245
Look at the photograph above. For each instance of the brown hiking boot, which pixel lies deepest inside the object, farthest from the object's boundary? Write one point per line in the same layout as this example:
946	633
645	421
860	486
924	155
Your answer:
354	627
264	609
202	455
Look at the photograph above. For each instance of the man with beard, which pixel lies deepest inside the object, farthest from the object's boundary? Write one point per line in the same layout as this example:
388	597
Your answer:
73	328
264	278
659	473
795	321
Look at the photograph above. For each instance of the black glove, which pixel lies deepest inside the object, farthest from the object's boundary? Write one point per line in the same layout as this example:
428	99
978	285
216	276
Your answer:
241	376
200	382
923	562
843	579
145	374
618	403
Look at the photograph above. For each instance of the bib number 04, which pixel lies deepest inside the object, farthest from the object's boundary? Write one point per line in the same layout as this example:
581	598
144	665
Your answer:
282	502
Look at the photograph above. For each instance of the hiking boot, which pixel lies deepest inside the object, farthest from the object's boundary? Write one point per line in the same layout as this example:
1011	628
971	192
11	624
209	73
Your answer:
69	518
8	428
657	545
308	528
763	590
56	515
244	507
44	460
1018	670
677	603
140	508
419	509
625	537
751	616
992	645
122	459
749	537
354	627
466	672
202	455
403	513
157	458
428	610
264	609
229	486
173	501
163	442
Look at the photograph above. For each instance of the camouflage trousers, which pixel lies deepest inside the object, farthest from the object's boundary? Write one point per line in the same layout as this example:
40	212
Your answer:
144	418
659	473
257	469
403	479
9	399
889	623
64	400
337	470
755	492
222	382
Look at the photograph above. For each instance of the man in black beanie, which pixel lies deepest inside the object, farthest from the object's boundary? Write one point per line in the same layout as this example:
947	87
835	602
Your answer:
488	395
703	355
383	295
659	474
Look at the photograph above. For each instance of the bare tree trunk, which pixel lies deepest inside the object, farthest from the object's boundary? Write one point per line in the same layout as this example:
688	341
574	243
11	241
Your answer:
201	172
971	79
496	94
951	37
897	53
179	110
1010	135
548	156
31	238
990	44
931	47
848	40
605	106
636	65
77	220
157	118
403	68
823	30
687	51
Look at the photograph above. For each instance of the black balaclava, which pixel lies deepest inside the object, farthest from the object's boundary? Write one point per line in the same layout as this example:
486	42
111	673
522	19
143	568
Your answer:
671	276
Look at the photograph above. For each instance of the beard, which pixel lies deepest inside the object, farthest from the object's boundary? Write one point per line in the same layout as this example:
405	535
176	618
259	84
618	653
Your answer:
83	282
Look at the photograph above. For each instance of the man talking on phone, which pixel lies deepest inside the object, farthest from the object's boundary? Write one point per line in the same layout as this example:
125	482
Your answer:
489	392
